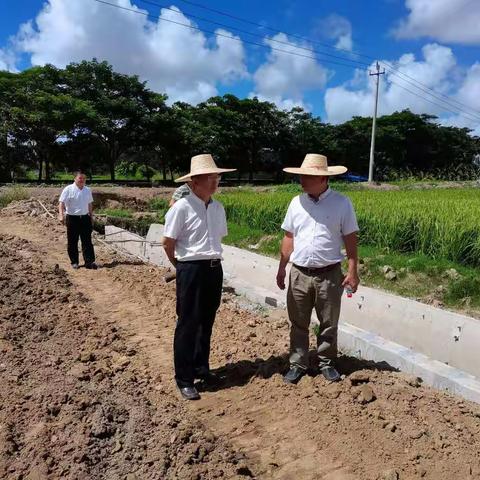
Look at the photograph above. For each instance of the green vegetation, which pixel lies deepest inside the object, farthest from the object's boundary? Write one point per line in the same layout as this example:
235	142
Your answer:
87	115
116	212
12	194
429	240
439	223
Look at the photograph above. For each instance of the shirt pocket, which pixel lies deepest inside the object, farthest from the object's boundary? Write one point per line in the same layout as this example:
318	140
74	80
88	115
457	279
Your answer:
328	228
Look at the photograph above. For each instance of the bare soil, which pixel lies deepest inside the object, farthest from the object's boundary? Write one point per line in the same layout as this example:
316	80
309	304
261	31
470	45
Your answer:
87	390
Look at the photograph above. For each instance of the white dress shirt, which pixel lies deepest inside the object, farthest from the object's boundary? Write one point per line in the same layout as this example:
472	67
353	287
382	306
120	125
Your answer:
197	229
318	228
76	199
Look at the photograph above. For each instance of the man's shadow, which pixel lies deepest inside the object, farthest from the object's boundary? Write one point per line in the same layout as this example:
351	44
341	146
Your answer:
240	373
117	263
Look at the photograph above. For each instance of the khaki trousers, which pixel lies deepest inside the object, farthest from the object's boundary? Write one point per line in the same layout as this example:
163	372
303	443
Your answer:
322	291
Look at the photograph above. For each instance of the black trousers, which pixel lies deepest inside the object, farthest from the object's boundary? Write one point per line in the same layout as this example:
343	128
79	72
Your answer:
199	290
80	226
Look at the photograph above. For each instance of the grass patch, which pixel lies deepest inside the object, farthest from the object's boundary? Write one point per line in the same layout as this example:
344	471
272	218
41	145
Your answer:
116	212
440	223
434	281
12	194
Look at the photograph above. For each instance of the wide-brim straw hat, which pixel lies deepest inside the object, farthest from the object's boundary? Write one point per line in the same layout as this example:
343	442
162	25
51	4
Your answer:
203	165
315	164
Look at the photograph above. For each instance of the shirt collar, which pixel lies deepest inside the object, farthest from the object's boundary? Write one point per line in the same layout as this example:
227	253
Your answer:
75	185
325	194
198	199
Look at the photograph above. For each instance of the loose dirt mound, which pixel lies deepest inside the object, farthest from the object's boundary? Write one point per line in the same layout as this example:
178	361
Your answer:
89	388
77	402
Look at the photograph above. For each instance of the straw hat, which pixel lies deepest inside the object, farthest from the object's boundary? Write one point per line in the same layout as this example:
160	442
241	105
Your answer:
202	165
315	164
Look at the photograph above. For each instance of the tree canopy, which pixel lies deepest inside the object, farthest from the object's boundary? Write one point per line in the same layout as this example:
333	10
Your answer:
89	116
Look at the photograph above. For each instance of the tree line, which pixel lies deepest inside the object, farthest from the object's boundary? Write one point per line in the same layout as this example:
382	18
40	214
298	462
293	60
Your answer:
89	116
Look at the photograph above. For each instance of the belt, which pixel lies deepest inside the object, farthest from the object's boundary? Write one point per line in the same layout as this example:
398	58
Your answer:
78	216
317	270
212	262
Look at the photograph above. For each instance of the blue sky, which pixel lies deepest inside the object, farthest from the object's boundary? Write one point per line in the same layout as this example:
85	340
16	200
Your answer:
434	43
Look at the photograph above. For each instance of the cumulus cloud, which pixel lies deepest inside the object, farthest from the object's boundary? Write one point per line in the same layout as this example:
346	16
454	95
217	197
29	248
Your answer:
437	70
453	21
284	78
7	59
174	59
336	27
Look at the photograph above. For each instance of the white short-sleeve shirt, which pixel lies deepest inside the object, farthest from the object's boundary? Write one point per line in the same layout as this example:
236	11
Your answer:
197	229
76	199
318	228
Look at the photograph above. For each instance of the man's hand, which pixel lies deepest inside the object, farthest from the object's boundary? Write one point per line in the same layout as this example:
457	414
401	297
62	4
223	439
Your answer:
61	218
281	274
351	279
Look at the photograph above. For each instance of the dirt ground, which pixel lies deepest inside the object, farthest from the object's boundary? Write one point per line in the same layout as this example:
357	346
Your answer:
87	390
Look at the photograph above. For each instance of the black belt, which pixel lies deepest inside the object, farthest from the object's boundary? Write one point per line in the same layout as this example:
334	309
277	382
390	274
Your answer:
213	262
317	270
78	216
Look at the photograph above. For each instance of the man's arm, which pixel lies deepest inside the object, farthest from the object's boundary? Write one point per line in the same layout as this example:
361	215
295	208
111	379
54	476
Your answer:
61	212
169	247
90	210
351	278
286	250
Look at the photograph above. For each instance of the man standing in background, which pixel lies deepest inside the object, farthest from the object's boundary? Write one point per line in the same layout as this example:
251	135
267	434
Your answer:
179	193
75	209
317	225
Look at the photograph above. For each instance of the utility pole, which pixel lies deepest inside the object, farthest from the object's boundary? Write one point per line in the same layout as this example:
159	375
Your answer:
374	122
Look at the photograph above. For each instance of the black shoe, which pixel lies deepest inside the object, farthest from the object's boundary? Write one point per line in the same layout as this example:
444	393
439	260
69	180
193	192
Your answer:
330	373
75	266
91	266
189	393
294	374
209	378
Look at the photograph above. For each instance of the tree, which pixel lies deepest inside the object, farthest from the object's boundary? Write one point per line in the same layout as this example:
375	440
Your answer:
119	104
38	113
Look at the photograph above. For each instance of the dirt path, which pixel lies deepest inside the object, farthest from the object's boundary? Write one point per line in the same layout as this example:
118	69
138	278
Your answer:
374	424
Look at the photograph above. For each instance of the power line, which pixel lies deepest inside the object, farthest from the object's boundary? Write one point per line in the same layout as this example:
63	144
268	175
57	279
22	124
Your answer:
246	32
271	29
386	64
397	72
193	27
433	103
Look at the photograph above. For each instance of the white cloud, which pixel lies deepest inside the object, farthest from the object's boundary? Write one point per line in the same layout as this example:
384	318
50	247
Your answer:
7	60
336	27
436	71
284	78
454	21
468	94
177	60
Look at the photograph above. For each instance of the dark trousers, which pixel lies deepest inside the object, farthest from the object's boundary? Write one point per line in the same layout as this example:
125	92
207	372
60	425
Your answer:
80	226
199	290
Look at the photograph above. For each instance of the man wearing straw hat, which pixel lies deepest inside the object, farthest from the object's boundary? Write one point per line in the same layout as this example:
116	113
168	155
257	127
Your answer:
194	228
317	225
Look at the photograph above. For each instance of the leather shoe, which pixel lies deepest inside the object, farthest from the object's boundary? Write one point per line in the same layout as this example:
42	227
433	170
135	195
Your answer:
294	375
189	393
75	266
91	266
330	373
209	378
